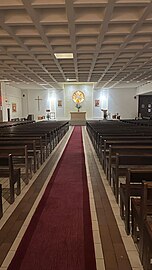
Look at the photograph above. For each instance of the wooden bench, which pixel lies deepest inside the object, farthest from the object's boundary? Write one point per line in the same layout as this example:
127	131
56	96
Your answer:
121	137
33	142
41	145
141	211
50	133
123	163
147	244
132	188
130	142
7	170
1	207
33	153
124	150
19	152
103	130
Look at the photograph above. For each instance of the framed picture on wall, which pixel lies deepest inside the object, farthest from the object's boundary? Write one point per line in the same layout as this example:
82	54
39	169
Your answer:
97	102
13	107
59	103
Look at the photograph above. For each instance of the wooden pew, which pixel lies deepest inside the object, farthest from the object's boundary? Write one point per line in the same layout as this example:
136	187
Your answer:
49	132
28	140
100	130
132	188
121	137
141	212
18	152
124	150
33	154
147	244
1	207
45	142
123	163
7	170
130	142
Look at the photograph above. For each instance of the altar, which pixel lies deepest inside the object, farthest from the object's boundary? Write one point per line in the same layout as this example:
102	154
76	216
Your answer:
78	118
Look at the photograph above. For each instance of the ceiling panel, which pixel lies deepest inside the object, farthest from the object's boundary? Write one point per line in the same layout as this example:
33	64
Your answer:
111	41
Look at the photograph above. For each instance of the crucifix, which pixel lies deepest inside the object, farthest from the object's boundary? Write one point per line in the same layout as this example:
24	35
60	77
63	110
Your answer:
38	101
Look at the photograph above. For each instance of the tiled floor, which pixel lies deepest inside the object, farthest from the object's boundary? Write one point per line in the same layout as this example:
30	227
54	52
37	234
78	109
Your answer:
127	240
129	245
6	192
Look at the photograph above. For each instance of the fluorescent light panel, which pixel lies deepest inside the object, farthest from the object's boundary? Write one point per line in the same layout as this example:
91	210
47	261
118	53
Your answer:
64	55
5	80
71	80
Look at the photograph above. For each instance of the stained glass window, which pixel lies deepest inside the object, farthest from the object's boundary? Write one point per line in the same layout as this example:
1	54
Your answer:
78	97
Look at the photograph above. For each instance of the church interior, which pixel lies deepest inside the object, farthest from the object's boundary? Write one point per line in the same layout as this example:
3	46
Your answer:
75	135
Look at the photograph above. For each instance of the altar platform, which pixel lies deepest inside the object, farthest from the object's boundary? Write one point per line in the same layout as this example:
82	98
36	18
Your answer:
78	118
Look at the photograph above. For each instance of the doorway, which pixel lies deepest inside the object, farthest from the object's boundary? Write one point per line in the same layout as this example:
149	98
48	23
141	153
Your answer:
8	115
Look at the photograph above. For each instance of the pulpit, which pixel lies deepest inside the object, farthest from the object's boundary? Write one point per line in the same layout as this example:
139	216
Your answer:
78	118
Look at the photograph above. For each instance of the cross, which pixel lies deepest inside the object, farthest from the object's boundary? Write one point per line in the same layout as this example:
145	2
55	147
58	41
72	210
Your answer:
38	101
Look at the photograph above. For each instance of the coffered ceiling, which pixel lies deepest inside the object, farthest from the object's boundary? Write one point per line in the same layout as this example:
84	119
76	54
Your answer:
111	42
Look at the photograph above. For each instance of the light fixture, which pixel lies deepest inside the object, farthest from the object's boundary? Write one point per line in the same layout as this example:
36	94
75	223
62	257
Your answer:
4	80
64	55
71	80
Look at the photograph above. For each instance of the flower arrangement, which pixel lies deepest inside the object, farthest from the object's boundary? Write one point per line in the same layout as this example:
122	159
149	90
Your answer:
78	106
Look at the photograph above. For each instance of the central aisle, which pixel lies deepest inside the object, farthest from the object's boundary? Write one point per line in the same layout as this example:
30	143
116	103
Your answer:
59	235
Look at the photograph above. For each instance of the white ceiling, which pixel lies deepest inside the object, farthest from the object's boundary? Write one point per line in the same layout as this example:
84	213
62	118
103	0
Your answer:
111	42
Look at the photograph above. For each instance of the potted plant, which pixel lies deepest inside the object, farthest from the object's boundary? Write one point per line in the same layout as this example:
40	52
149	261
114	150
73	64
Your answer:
78	106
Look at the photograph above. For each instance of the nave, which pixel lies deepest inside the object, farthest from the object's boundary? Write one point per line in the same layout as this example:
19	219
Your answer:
106	256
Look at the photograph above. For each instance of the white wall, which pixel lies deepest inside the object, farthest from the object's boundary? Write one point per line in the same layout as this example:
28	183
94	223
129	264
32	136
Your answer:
48	101
144	89
30	102
87	105
117	100
11	95
123	101
60	109
102	97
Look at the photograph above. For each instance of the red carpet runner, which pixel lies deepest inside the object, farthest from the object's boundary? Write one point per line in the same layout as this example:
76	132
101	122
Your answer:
59	236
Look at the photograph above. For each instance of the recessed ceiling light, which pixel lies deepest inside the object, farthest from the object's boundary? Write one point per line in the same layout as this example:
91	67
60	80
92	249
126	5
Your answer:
71	80
4	80
64	55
